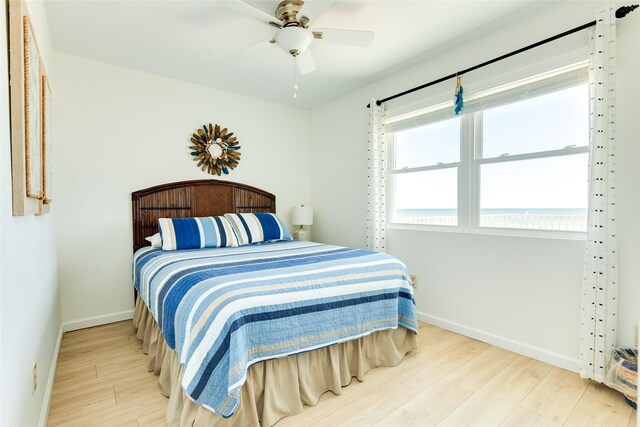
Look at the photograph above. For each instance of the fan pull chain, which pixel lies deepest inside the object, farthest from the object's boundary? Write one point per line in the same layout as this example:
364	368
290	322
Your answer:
295	77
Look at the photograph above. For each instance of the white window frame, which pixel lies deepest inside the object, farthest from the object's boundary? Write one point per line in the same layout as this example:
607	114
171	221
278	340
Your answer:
469	179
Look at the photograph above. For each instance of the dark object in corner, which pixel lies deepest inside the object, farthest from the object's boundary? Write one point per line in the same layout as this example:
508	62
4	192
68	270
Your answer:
624	10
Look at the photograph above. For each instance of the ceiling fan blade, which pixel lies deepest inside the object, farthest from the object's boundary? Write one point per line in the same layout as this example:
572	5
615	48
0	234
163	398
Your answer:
248	10
313	9
253	49
305	61
347	37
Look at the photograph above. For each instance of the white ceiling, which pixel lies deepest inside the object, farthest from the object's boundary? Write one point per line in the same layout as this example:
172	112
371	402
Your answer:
192	40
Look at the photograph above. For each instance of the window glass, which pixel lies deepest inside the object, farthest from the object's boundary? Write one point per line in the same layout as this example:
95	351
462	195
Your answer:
547	193
547	189
428	145
548	122
427	197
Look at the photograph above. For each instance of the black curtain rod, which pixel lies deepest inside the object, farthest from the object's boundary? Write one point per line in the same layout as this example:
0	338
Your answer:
620	13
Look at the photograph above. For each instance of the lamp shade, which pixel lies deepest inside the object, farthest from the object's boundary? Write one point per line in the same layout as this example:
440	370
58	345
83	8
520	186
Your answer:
302	215
293	39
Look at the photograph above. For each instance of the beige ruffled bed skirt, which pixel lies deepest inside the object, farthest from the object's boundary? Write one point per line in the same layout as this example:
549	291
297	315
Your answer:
274	388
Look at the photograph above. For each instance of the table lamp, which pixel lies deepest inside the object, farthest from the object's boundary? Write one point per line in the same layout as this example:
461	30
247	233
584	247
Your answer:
302	215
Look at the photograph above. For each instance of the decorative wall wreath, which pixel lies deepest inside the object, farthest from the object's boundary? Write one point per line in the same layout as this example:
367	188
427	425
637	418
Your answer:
215	150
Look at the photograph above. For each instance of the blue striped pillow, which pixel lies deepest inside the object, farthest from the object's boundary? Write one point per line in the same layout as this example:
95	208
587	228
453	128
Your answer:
258	227
196	233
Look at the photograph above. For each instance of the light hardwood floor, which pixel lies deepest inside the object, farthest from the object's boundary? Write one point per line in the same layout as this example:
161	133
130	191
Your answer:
452	380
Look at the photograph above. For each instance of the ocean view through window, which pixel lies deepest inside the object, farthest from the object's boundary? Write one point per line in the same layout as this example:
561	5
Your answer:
519	162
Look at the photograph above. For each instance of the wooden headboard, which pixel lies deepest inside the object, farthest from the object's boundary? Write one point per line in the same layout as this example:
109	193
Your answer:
206	197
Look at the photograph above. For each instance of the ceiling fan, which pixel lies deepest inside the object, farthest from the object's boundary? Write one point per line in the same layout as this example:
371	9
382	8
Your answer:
292	32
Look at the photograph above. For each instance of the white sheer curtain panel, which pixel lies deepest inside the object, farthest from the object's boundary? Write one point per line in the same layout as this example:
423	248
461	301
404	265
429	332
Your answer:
377	168
599	289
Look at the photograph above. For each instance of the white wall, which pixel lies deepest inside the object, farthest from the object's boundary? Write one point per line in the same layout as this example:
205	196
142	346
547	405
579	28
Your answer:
519	290
29	295
120	130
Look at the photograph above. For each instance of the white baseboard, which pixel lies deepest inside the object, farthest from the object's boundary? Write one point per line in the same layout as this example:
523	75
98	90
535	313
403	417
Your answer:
502	342
73	325
89	322
46	402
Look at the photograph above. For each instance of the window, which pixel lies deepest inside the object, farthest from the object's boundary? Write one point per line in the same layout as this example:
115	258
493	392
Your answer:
426	173
515	159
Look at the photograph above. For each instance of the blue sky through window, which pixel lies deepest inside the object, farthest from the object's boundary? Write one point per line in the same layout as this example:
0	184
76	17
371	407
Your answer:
543	123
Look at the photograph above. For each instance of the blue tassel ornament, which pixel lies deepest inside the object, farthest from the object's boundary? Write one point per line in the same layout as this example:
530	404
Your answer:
458	100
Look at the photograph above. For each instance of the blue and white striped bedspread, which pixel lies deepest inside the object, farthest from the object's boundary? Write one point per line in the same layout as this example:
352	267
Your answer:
224	309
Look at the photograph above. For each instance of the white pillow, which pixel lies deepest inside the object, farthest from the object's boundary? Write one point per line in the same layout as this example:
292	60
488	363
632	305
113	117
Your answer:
155	240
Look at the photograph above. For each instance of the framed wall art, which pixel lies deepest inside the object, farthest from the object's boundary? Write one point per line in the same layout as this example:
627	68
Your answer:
46	140
26	112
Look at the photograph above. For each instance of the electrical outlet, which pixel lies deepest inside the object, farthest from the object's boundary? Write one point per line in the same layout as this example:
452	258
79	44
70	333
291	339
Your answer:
35	377
414	281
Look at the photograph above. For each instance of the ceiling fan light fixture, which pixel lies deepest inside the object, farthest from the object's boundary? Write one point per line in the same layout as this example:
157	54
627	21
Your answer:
293	34
293	39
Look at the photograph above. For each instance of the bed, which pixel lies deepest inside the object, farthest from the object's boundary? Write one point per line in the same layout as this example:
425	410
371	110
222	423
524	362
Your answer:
248	335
